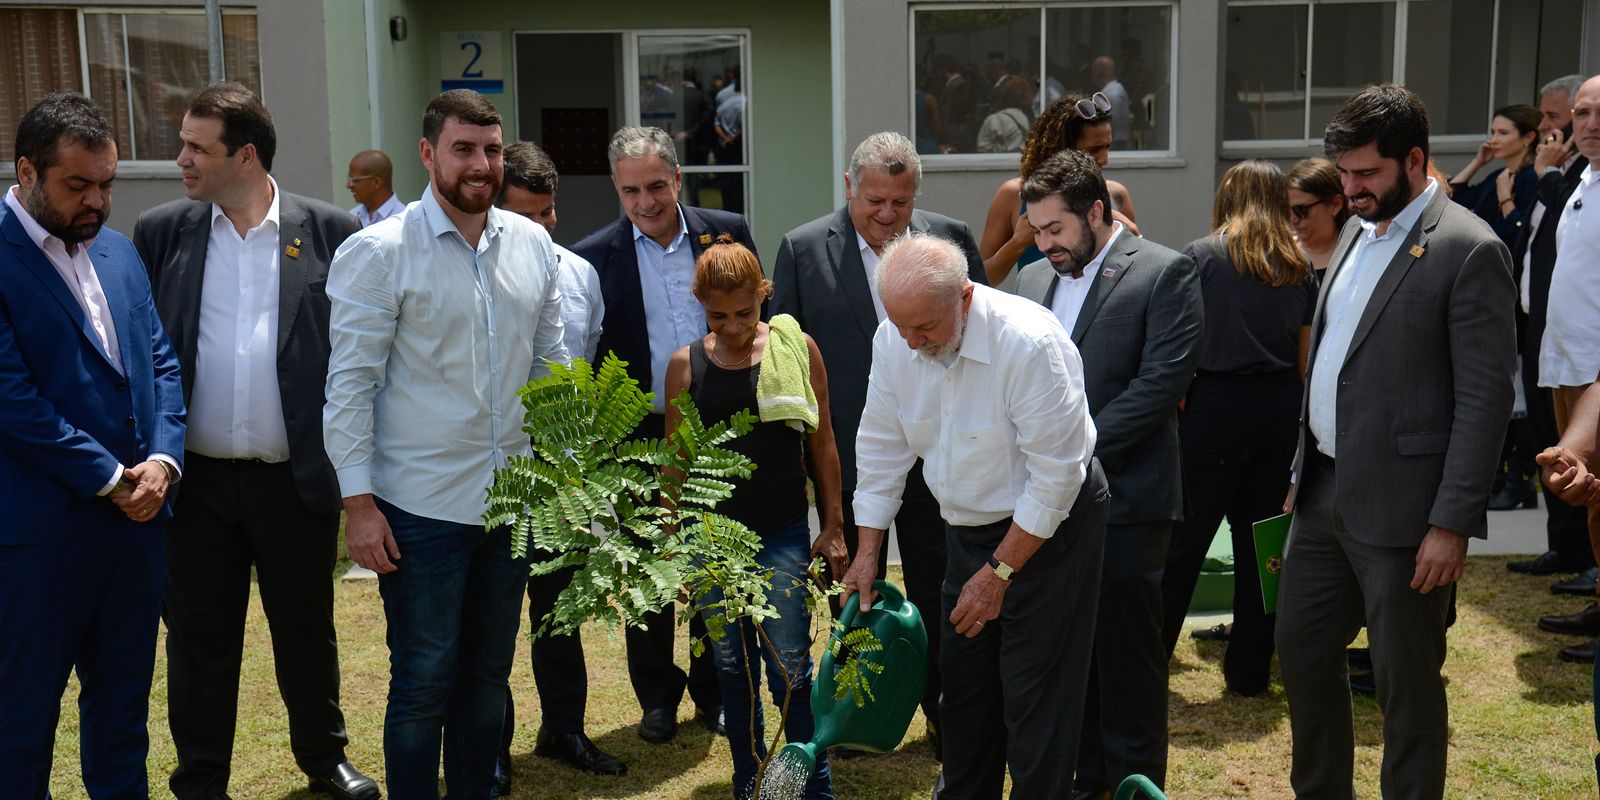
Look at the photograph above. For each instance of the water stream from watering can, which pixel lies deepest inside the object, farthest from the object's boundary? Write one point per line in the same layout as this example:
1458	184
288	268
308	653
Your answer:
786	778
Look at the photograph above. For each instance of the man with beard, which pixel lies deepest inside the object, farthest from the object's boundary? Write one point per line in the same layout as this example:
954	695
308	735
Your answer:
1413	352
91	430
1134	310
238	270
645	259
439	317
987	390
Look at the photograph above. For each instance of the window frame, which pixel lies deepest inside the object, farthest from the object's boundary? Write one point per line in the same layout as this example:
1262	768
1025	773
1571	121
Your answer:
975	162
630	93
129	167
1447	143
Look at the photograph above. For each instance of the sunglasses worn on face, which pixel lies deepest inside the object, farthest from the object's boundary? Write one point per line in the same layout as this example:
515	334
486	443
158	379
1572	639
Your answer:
1096	106
1300	211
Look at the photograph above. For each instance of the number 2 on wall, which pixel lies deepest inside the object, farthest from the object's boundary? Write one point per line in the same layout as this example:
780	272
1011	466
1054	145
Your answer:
477	53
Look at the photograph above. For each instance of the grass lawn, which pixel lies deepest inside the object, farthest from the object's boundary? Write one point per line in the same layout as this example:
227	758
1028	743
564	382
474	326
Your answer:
1521	720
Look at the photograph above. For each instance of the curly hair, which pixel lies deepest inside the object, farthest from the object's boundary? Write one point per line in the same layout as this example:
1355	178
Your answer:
1058	128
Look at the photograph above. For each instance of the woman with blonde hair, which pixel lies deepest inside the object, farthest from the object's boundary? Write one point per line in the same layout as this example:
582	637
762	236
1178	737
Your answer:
746	364
1240	417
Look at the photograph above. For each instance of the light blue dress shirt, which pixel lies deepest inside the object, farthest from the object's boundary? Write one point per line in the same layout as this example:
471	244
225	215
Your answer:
431	339
1353	282
673	318
582	308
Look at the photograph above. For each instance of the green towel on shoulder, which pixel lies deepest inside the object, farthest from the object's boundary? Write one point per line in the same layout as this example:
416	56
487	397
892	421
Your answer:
783	385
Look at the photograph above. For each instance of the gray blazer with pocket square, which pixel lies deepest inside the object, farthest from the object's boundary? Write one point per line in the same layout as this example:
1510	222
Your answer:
1139	335
1426	387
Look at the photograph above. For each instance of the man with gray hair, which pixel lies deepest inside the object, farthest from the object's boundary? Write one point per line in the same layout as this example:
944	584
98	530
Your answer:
1560	167
834	257
987	390
645	260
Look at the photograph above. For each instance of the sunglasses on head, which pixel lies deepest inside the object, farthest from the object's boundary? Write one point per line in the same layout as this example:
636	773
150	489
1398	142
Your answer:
1097	105
1300	211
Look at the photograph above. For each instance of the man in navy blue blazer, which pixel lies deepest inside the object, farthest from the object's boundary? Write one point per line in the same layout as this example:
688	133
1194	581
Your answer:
91	437
645	260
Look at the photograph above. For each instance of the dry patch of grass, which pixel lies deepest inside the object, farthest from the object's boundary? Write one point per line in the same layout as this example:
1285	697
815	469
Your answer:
1521	720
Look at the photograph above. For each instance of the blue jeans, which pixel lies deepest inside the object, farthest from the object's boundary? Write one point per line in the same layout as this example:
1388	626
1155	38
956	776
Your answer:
787	551
453	607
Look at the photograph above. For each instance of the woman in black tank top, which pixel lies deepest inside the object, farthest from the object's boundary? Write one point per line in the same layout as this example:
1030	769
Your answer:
720	373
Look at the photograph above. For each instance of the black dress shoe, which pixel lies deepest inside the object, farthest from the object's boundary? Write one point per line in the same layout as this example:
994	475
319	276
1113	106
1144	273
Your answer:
1582	585
502	775
1547	563
577	751
658	725
1359	659
345	783
1515	492
1215	633
1578	653
1583	623
1364	683
712	718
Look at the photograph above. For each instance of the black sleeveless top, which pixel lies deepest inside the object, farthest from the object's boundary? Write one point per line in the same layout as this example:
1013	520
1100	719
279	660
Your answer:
775	493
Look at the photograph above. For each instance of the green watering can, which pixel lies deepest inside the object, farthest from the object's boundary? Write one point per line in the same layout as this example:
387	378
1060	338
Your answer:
880	724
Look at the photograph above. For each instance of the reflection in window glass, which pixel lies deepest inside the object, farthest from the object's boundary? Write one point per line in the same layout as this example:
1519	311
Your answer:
143	68
1264	88
38	55
690	87
977	80
1124	52
1448	46
1539	41
1355	47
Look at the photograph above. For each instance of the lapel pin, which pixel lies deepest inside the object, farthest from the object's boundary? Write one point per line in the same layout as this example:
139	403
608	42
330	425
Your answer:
705	238
1417	250
1108	273
293	250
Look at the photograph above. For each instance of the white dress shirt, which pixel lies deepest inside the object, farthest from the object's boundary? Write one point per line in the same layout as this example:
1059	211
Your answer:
1353	282
432	339
236	409
582	308
77	272
869	261
672	316
1003	430
390	207
1535	217
1569	354
1071	292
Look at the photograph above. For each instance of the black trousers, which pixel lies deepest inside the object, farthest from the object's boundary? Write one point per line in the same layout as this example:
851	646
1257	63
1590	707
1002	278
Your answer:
919	529
1015	695
230	516
1238	434
560	674
1566	527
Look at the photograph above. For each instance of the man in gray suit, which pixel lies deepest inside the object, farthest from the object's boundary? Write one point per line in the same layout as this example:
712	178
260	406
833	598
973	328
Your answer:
238	271
1133	309
824	279
1409	390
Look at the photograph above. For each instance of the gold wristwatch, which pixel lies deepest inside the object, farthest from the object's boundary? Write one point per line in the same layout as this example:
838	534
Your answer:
1002	570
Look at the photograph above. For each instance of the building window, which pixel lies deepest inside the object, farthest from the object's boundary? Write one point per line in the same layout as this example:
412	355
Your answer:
981	76
140	67
1463	57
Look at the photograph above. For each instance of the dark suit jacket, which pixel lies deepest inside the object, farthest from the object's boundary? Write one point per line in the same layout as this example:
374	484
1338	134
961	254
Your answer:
1553	190
67	418
610	250
1139	335
1425	388
173	238
819	280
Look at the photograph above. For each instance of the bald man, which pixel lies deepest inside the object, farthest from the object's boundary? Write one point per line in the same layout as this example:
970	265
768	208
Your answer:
369	182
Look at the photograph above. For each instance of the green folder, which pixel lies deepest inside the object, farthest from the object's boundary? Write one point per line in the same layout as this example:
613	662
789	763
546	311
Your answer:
1270	535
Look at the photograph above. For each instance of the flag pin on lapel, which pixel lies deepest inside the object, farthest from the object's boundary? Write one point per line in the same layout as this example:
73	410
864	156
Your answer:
1417	250
705	238
293	250
1108	273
